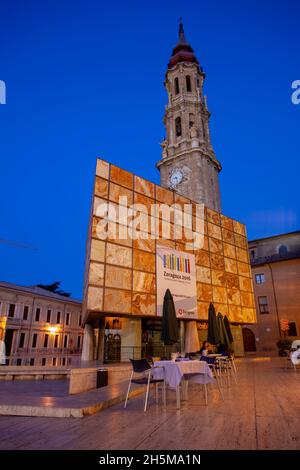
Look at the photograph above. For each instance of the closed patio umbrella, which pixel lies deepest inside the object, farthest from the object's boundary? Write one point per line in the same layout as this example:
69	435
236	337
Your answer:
169	332
223	333
213	336
191	337
228	329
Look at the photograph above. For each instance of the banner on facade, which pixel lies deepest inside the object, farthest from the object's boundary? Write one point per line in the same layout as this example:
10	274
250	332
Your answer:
175	270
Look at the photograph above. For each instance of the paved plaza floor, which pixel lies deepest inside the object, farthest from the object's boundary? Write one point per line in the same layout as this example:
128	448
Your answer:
260	412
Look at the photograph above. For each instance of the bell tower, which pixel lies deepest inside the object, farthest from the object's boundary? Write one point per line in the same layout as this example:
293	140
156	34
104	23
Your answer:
188	163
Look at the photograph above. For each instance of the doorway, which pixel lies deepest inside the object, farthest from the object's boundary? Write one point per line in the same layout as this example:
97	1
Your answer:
9	337
249	340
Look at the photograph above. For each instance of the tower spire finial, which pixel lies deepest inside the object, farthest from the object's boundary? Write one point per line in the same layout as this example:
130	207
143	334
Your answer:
182	39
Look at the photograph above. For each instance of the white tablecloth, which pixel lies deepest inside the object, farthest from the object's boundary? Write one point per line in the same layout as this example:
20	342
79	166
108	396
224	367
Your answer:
173	372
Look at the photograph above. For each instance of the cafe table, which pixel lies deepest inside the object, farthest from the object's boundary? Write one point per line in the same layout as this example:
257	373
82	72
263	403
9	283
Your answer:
175	372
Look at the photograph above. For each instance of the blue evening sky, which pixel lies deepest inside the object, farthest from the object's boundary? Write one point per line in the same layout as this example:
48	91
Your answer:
85	79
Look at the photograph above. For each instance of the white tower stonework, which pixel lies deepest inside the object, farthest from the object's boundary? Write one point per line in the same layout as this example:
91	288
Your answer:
188	163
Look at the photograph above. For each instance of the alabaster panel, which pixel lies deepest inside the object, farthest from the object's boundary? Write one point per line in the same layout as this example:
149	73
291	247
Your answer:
234	296
118	277
230	265
96	274
143	304
143	282
228	236
204	292
101	207
144	243
202	308
203	274
226	223
165	229
216	246
239	228
143	261
97	250
245	284
218	278
213	217
217	261
235	313
95	298
122	177
119	234
222	308
247	299
202	258
179	199
120	195
232	280
116	300
248	315
242	255
164	195
244	269
168	243
240	241
102	169
101	187
229	250
144	187
219	294
214	231
199	225
119	255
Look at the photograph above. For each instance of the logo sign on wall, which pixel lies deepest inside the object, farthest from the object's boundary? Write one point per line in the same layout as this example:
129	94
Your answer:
175	270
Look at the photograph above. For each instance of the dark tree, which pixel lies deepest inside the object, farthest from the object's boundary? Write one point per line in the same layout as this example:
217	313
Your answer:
55	288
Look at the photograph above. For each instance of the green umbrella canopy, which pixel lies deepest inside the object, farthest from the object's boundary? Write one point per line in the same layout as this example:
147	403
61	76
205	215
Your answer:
169	332
213	335
223	333
228	329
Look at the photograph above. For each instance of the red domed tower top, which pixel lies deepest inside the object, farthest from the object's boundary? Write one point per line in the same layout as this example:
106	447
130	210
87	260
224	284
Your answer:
182	52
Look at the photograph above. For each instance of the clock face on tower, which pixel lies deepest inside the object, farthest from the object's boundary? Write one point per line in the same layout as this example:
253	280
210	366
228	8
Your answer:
175	178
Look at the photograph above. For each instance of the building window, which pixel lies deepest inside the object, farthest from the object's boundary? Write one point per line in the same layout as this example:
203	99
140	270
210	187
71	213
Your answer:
34	340
43	361
66	341
37	314
22	340
11	310
78	341
58	317
48	316
197	82
25	312
68	319
263	304
292	329
54	361
176	86
252	253
80	320
32	361
188	83
19	362
64	361
46	340
259	278
282	250
178	126
56	341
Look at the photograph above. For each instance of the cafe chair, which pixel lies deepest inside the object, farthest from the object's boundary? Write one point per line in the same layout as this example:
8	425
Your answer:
142	374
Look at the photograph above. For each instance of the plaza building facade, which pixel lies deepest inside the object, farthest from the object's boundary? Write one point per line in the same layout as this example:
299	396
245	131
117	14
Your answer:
275	263
39	328
128	265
